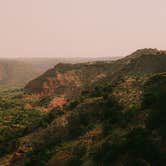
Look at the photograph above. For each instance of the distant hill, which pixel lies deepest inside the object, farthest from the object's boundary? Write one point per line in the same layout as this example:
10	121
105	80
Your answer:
43	64
15	73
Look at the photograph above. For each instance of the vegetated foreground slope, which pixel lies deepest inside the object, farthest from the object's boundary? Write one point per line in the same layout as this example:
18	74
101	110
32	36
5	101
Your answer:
116	117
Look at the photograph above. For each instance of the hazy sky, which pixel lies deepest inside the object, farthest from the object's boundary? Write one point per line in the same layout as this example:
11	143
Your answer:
37	28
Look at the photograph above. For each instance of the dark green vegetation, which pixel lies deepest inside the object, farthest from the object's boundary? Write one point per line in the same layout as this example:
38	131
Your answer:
15	120
116	116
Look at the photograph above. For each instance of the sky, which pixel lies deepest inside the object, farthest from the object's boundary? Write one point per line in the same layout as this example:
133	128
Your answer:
80	28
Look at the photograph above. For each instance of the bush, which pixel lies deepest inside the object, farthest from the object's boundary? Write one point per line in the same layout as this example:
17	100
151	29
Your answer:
44	101
139	144
105	153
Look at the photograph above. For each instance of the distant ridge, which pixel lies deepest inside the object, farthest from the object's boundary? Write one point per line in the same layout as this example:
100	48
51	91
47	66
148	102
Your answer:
15	73
80	76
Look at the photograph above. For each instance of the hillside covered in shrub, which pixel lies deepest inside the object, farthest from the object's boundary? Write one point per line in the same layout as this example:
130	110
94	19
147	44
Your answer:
89	114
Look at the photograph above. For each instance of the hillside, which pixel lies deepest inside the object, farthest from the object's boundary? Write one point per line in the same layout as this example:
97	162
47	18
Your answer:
89	114
61	79
64	78
145	61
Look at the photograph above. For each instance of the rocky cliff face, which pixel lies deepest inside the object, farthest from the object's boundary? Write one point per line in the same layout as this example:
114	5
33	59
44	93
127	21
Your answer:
67	80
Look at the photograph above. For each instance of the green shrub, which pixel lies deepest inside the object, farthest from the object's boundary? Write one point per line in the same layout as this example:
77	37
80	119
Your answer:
139	144
105	153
